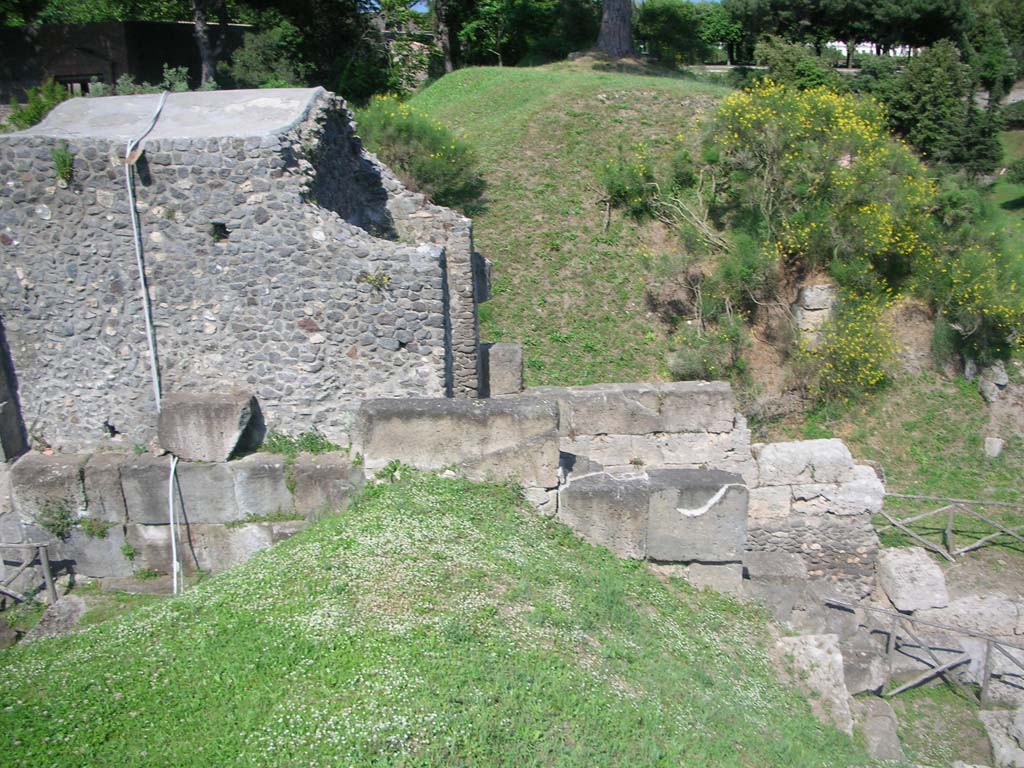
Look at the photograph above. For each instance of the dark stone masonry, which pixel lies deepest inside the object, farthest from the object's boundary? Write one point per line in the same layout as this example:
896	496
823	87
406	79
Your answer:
281	258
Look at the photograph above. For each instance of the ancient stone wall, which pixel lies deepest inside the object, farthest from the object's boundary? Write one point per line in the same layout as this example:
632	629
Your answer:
264	266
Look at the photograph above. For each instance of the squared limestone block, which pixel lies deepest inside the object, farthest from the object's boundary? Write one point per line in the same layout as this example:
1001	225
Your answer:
145	483
769	503
696	515
99	554
261	485
206	493
210	426
804	462
42	486
104	497
324	483
503	366
608	511
911	579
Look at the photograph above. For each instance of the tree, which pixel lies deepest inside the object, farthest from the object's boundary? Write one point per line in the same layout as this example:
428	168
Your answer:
209	47
670	29
490	27
718	27
615	37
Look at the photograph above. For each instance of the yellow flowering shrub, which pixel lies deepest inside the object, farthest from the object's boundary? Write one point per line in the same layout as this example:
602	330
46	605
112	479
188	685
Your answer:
854	355
422	152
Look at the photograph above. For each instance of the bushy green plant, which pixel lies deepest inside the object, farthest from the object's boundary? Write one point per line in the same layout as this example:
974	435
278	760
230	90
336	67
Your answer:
268	58
794	65
1013	115
95	529
711	353
629	180
39	101
63	162
56	518
855	354
1015	172
423	152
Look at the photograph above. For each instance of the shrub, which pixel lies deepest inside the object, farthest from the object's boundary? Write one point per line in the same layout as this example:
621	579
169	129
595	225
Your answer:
39	101
792	64
855	354
712	353
629	180
423	152
1015	173
63	162
266	59
1013	115
56	518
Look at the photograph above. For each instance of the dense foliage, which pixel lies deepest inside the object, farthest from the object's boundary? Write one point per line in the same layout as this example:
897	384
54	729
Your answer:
423	152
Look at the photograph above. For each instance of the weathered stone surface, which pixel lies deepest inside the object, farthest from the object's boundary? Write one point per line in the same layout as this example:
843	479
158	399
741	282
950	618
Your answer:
209	547
672	515
58	619
1017	727
775	579
210	426
503	366
220	547
324	483
804	462
696	515
608	511
769	502
640	409
880	728
96	552
8	635
144	483
41	484
1007	753
864	666
989	614
206	493
819	670
103	494
993	380
726	578
487	439
911	579
994	447
261	485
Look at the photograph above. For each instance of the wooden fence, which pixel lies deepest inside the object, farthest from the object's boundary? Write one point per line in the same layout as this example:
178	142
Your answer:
902	633
30	553
946	514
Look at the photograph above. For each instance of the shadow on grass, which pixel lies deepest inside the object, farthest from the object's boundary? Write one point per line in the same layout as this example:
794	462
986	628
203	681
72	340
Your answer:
1013	205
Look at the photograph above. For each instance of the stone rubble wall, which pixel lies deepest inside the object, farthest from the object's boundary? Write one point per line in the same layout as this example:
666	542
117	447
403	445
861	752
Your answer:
300	303
228	510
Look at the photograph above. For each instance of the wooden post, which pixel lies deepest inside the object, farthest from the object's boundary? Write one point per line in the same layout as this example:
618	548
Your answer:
890	648
950	518
986	676
44	559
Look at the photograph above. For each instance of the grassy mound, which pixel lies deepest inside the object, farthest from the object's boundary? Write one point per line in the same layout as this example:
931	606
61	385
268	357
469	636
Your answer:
568	287
436	623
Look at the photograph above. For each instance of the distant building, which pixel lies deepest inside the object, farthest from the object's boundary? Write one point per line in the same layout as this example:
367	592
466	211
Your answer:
75	54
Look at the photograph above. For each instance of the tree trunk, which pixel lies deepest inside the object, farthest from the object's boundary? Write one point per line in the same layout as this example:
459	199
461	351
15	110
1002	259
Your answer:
850	45
444	33
208	50
615	38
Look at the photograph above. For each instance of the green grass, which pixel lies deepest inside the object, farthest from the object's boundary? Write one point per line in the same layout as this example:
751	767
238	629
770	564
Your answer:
570	291
939	726
291	446
437	623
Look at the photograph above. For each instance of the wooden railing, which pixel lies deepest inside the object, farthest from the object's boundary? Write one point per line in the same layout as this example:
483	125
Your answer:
900	631
30	553
946	515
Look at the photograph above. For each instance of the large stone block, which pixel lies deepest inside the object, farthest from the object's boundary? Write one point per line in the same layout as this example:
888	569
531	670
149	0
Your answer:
324	483
144	482
990	614
261	485
1007	753
96	552
804	462
696	515
671	515
220	547
911	579
608	511
769	503
502	368
818	663
881	730
103	494
206	493
498	439
43	485
640	409
210	426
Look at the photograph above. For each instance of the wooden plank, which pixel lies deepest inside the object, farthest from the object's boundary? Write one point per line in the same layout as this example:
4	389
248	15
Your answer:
930	674
994	524
1007	654
986	676
922	541
949	528
938	664
11	593
921	516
